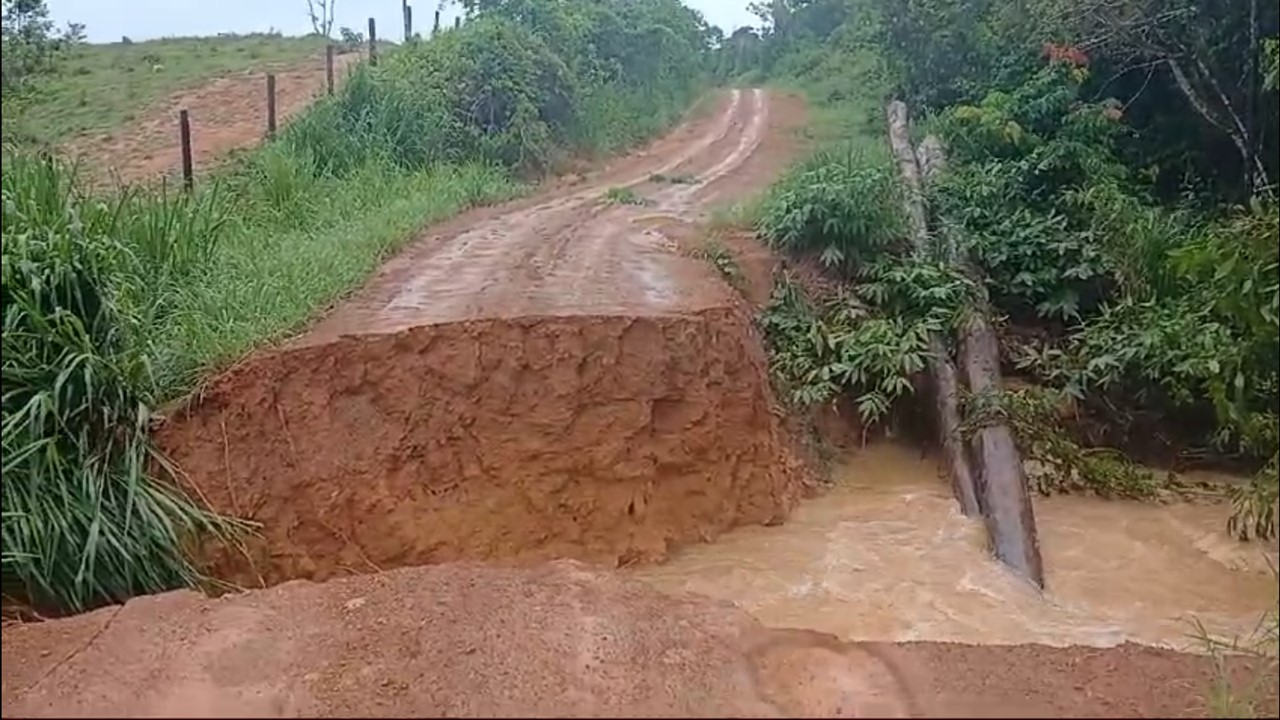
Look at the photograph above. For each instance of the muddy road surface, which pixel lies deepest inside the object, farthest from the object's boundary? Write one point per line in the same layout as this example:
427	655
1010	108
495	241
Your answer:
559	640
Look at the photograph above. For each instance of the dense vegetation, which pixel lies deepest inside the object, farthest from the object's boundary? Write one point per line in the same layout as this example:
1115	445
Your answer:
1111	173
113	305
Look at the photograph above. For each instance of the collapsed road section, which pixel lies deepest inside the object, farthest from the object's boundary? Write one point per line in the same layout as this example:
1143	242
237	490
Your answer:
548	379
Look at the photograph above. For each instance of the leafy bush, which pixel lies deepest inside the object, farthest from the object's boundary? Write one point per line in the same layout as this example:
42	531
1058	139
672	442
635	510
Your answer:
1168	311
818	352
837	206
519	84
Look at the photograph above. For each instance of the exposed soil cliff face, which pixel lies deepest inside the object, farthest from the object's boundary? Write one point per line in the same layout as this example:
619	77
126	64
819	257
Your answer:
608	439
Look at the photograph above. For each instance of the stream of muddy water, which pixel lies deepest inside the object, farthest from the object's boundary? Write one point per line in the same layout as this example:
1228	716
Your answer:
886	556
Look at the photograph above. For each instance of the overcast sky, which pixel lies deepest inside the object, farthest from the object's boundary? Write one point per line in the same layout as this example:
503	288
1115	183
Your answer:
108	20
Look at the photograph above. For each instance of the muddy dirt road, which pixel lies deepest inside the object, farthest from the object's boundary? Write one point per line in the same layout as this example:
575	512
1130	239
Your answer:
556	641
576	252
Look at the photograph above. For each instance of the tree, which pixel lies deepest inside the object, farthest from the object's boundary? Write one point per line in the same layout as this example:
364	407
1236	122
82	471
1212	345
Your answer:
321	14
30	43
1210	52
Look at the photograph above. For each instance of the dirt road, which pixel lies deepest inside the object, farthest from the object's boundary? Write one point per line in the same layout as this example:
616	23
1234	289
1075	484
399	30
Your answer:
575	251
548	378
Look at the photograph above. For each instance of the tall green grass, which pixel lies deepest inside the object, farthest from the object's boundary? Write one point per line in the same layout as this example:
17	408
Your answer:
82	281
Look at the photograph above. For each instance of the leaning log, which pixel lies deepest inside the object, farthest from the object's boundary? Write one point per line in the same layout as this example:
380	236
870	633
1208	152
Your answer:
941	368
1006	501
1003	492
1000	486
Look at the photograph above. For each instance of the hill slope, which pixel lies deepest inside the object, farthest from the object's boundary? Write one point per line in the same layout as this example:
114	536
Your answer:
116	104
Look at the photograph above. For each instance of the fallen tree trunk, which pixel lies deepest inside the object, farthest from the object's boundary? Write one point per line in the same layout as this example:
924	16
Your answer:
942	370
1006	501
1000	488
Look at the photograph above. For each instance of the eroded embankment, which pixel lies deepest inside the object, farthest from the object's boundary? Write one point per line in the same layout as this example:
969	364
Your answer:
609	439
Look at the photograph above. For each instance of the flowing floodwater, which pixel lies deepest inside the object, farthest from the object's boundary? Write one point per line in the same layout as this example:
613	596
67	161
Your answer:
885	555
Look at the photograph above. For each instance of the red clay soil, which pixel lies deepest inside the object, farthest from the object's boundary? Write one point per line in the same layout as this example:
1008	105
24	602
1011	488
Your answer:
558	640
227	113
548	379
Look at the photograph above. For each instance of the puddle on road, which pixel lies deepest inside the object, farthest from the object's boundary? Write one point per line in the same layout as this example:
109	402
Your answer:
886	556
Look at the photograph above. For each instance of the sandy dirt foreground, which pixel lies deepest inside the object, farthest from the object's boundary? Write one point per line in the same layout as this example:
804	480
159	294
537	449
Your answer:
557	640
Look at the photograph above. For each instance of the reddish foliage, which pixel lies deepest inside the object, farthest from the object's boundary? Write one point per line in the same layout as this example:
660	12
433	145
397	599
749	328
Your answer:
1069	54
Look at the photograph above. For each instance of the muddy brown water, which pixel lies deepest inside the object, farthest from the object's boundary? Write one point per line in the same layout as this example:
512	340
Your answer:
886	556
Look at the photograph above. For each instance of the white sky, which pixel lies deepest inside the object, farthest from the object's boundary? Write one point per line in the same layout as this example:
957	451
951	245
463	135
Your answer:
108	20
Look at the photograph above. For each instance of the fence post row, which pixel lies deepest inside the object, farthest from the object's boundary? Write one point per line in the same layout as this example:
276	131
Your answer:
184	138
373	42
271	105
328	67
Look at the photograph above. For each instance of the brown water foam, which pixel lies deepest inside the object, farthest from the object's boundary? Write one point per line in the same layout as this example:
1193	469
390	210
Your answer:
608	439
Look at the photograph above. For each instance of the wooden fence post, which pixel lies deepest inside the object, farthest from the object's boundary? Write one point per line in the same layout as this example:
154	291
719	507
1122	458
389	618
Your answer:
271	105
328	67
184	137
435	29
373	42
407	12
457	22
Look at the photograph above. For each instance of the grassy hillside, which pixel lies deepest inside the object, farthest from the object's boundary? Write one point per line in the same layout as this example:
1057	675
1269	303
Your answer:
100	87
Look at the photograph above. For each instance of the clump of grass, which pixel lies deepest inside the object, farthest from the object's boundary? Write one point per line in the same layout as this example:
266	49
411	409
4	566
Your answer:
623	196
714	252
677	179
84	523
740	215
1228	696
326	241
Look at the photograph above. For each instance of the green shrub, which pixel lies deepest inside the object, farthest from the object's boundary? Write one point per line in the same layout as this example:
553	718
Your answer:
818	352
837	206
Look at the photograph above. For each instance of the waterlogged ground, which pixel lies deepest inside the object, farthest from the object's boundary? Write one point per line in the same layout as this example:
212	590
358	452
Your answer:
885	556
